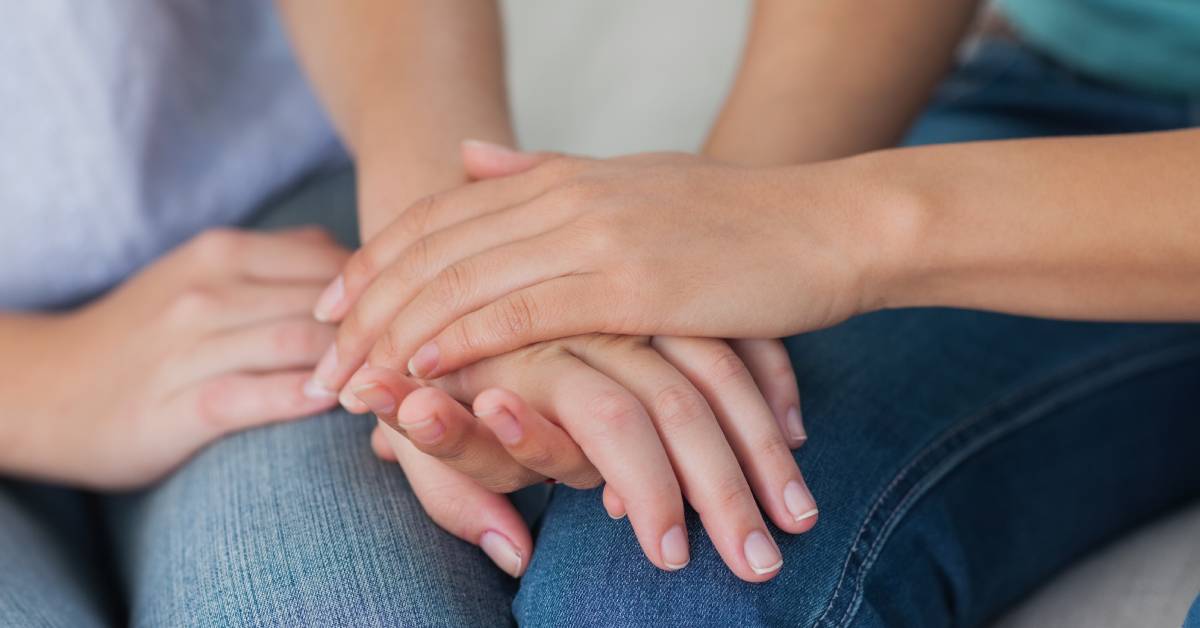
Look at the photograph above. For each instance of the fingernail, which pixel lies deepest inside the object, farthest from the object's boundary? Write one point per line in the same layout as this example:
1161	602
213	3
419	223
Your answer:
504	425
318	386
379	399
352	403
428	431
491	146
799	501
761	553
795	425
675	549
424	360
330	298
502	552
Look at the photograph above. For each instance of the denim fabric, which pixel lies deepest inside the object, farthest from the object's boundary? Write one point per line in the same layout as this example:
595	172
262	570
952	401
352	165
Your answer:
1193	616
959	458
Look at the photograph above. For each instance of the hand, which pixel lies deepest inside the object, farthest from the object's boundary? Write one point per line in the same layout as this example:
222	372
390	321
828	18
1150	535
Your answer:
652	244
661	420
214	337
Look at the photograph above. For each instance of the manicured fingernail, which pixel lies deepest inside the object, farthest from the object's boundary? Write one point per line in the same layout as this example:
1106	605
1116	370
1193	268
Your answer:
428	431
318	387
675	549
330	298
379	399
502	552
492	146
504	425
799	501
761	553
424	360
795	425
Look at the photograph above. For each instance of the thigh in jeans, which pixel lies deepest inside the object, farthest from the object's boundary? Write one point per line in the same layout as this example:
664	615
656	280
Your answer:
297	524
959	458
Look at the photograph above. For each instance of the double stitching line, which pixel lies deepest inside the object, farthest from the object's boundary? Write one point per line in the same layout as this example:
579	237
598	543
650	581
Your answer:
1056	391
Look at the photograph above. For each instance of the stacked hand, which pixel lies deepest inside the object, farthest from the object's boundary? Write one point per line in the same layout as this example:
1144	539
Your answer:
650	244
659	419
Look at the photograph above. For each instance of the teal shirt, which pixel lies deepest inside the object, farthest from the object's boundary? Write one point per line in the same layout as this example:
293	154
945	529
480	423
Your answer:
1150	45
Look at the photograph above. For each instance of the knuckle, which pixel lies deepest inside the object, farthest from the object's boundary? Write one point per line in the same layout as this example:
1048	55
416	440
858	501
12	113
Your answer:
504	484
416	263
452	285
614	410
773	447
515	317
192	304
451	513
211	408
731	493
678	407
539	458
727	367
217	245
361	267
586	480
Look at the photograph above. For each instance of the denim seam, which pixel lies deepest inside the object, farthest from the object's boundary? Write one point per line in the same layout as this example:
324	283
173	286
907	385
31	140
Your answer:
962	444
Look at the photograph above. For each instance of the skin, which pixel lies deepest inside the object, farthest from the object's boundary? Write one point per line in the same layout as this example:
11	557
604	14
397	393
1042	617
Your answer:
367	59
211	339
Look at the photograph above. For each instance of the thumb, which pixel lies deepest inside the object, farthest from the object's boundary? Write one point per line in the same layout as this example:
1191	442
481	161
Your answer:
485	160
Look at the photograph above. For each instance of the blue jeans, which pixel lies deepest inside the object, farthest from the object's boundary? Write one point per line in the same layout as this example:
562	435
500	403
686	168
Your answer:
959	458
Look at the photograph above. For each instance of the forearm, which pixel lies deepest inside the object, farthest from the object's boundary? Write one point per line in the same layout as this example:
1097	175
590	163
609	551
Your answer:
821	80
405	82
1104	227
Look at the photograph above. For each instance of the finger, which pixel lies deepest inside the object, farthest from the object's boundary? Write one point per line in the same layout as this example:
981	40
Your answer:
442	428
708	472
485	160
566	306
462	287
749	426
612	503
611	428
380	445
238	401
429	215
387	299
465	509
292	255
533	441
280	344
772	370
239	304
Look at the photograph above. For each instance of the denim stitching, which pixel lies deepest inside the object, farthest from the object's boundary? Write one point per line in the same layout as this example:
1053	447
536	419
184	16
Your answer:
1124	367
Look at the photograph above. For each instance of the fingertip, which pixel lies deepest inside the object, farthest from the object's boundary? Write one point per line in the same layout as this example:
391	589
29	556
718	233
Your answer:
612	504
380	445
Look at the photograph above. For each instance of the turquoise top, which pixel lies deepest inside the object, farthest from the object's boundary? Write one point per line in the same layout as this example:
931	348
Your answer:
1150	45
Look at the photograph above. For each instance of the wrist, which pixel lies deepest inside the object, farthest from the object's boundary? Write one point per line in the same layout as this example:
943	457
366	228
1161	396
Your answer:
885	227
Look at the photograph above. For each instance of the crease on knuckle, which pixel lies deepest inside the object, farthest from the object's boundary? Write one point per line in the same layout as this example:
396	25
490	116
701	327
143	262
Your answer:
539	458
451	287
193	303
727	367
361	267
614	411
678	407
514	317
772	447
731	493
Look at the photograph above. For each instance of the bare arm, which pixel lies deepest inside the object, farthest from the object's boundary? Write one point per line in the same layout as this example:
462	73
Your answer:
1104	227
821	80
405	81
